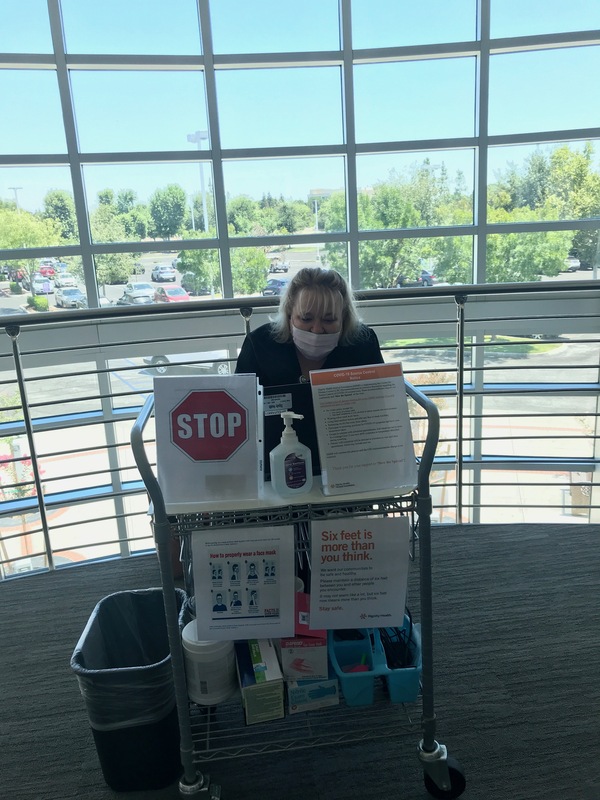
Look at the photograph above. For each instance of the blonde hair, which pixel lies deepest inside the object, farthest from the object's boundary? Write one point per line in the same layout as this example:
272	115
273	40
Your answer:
323	291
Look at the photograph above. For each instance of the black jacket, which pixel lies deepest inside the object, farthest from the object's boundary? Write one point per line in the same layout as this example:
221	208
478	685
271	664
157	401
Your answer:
276	364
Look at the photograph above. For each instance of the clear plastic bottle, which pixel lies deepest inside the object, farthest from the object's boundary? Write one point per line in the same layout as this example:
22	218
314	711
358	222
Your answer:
291	461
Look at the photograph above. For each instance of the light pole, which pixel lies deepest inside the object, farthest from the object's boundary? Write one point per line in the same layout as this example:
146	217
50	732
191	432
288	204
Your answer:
16	190
198	137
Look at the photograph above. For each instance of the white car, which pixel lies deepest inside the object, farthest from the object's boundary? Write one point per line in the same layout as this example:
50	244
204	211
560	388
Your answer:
64	279
137	289
42	285
179	363
69	297
163	272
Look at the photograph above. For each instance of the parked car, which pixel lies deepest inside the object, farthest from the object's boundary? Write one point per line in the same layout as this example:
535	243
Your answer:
163	272
212	362
6	311
47	267
67	297
279	266
572	264
170	294
38	284
63	279
193	284
134	300
82	302
275	287
425	278
140	289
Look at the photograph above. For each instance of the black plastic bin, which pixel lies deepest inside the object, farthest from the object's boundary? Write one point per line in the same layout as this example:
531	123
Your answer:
123	666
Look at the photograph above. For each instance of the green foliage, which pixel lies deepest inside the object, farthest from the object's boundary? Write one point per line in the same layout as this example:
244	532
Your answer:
22	229
38	303
106	197
107	227
60	206
167	209
15	288
203	264
125	201
250	269
242	214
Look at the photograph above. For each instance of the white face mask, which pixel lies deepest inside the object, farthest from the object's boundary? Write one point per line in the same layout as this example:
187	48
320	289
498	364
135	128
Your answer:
314	346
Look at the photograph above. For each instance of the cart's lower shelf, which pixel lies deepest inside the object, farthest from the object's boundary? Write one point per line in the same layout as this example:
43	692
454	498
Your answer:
220	732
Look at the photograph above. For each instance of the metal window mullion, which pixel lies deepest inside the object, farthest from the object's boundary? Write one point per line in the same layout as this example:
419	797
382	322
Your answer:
220	206
345	13
481	123
66	101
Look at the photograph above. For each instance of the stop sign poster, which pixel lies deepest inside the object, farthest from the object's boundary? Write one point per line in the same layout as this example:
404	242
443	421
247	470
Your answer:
208	439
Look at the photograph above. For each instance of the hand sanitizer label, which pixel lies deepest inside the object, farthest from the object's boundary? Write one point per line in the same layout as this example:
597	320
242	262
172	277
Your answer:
295	471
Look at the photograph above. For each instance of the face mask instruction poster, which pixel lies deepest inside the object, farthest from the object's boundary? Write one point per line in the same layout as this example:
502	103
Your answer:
359	572
243	583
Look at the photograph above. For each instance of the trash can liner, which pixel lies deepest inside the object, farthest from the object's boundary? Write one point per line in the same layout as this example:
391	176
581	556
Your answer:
122	661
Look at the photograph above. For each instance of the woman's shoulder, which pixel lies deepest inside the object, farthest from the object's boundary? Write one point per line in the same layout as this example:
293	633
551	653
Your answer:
263	332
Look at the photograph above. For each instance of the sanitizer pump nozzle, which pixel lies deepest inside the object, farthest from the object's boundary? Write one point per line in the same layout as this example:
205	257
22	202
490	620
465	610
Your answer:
291	461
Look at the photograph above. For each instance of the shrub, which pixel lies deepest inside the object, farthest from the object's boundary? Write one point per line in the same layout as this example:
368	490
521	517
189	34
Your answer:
38	303
15	288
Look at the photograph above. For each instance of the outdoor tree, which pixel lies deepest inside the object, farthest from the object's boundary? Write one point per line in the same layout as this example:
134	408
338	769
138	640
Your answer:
203	264
107	227
125	201
249	269
60	206
136	222
242	214
167	209
106	197
22	229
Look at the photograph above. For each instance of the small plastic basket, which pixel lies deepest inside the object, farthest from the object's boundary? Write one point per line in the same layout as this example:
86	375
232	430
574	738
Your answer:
403	683
364	654
357	687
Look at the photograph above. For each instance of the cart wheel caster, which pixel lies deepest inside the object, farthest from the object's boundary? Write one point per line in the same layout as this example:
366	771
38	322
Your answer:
458	782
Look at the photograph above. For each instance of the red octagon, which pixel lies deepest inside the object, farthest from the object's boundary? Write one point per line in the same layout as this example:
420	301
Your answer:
209	426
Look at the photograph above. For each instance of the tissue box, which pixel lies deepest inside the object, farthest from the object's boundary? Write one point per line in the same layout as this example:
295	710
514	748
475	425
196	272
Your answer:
303	657
260	679
310	695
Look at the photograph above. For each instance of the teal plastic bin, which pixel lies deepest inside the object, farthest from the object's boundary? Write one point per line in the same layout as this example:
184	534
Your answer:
358	687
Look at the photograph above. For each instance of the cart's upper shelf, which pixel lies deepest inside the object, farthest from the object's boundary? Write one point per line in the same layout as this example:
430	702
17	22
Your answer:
271	500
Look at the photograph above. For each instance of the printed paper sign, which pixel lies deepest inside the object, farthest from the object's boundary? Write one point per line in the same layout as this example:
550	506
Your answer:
359	572
244	583
363	428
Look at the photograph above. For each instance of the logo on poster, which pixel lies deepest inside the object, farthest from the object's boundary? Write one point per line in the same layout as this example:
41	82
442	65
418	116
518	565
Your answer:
209	426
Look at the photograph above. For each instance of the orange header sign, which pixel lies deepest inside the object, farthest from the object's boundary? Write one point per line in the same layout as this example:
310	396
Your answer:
367	373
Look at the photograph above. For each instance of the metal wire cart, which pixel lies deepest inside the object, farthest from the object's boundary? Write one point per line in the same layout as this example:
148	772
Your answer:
211	733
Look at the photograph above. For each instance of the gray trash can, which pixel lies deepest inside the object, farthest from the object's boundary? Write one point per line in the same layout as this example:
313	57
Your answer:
123	665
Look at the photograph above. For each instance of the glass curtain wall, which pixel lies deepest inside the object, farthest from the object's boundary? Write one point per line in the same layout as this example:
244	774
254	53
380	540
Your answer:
401	143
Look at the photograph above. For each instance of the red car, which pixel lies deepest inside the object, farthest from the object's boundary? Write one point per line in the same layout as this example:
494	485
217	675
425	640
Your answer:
47	269
170	294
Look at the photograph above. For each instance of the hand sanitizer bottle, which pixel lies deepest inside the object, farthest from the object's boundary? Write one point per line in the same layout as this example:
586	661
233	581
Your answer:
291	461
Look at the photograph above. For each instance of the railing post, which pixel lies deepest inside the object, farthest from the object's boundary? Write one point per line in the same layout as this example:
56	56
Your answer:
460	300
13	333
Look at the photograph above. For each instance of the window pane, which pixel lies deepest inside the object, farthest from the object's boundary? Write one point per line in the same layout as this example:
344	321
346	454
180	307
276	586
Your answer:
270	26
281	196
544	182
543	90
39	201
389	23
545	255
36	124
410	190
387	263
130	202
25	27
531	17
132	27
415	99
304	107
116	110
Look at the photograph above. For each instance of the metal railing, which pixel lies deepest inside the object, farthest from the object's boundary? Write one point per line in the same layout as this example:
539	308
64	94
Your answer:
514	370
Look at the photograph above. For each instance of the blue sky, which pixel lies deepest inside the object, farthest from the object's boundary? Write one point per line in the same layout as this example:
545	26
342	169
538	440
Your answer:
118	111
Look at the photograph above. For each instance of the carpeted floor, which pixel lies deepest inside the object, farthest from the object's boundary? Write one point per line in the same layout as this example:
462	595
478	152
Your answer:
517	677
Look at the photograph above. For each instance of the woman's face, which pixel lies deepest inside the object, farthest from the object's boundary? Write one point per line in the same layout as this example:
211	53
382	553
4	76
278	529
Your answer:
312	313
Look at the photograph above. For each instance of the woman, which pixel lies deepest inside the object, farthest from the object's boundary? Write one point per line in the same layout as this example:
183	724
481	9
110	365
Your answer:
317	327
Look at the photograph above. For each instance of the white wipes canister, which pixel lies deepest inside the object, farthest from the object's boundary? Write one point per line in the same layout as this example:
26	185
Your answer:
209	668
